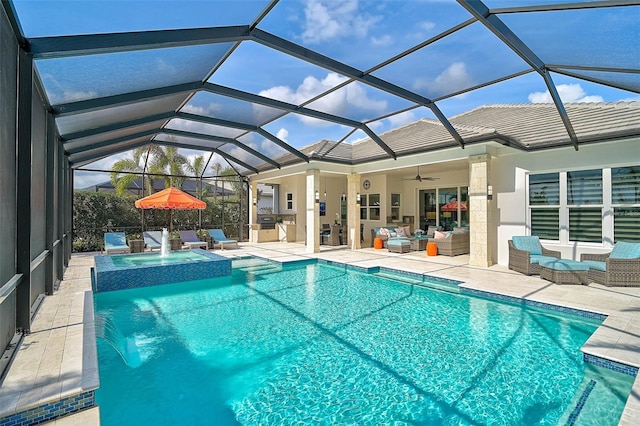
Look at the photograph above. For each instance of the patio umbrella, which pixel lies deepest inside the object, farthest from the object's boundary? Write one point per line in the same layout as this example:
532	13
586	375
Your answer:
452	206
170	199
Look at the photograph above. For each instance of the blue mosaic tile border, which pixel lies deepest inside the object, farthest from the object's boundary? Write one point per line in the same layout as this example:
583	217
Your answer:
583	399
51	411
534	304
611	365
108	277
414	275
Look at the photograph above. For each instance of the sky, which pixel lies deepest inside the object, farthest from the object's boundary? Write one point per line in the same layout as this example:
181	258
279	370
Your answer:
361	34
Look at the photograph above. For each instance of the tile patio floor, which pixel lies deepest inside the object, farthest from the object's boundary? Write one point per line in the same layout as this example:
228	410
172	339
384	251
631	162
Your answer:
59	357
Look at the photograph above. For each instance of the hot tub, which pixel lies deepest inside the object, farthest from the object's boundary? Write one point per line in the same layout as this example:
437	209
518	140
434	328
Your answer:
125	271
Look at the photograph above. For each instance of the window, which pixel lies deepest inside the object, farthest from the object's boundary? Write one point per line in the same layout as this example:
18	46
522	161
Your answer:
395	206
544	191
370	207
584	190
374	206
289	201
586	205
625	197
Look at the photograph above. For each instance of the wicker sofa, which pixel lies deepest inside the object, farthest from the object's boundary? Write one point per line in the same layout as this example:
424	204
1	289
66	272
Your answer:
615	271
521	260
453	245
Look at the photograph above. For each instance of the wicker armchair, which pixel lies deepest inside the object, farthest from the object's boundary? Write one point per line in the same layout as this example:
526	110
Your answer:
620	272
453	245
520	260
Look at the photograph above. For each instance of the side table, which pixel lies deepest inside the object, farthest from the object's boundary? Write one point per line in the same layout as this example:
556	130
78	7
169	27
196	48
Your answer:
419	243
136	246
175	244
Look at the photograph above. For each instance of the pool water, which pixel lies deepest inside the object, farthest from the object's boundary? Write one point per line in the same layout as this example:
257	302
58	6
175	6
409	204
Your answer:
321	344
144	259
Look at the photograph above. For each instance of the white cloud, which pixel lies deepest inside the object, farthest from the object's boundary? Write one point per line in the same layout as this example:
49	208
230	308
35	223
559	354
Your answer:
282	134
385	40
454	78
401	119
426	25
337	103
332	19
567	92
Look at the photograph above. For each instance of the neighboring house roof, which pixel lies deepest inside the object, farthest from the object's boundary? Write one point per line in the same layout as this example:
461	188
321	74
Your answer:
189	186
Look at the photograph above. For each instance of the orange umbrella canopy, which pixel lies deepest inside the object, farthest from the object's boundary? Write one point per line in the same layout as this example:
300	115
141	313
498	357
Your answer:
452	206
170	198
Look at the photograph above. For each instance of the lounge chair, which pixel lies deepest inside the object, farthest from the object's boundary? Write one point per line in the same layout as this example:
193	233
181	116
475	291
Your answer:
115	242
153	239
621	267
525	254
219	237
191	240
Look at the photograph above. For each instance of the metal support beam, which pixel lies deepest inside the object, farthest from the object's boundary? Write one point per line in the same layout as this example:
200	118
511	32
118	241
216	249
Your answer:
121	125
504	33
114	141
223	140
78	107
315	58
23	202
283	144
49	276
92	44
379	141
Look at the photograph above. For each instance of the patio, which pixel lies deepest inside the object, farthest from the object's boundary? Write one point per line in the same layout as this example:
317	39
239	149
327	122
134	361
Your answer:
58	358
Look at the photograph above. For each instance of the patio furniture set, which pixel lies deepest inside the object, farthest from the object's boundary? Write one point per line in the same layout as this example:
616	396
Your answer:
116	242
451	243
620	267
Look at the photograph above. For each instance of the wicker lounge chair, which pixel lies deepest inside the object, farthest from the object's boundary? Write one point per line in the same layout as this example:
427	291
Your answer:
621	267
523	261
115	242
191	240
152	239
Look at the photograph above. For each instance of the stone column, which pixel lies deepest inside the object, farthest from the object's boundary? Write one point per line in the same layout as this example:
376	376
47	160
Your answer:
353	211
479	210
313	212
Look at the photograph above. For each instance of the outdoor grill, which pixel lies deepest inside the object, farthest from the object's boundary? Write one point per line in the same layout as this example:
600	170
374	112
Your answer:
267	222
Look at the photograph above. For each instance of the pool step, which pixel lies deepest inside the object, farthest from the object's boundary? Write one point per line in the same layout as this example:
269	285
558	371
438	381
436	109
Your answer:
258	268
421	281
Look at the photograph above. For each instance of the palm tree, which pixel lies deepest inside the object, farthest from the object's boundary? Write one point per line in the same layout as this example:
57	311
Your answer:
216	170
131	169
158	161
197	169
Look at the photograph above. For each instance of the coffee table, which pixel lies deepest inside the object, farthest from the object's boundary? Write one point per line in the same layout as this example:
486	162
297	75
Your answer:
419	243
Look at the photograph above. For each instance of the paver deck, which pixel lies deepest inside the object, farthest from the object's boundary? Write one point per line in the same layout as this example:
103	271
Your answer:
59	356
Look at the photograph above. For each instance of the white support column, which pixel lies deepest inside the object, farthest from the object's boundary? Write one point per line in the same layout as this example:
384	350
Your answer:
479	210
313	212
253	218
353	211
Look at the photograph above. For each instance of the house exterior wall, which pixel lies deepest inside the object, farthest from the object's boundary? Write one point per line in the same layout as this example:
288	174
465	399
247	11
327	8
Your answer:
509	179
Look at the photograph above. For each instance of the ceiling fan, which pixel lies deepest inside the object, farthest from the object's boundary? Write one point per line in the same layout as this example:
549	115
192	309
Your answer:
421	178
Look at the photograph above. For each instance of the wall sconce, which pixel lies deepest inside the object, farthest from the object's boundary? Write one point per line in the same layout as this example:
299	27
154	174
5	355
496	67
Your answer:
489	192
317	197
255	201
358	198
344	197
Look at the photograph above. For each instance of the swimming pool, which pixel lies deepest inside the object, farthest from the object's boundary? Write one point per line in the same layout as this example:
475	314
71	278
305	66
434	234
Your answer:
321	344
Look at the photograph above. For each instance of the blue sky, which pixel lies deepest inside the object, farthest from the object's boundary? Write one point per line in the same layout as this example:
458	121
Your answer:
361	34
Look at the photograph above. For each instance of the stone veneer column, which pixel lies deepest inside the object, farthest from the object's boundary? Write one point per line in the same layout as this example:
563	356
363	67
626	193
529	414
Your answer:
480	251
313	212
353	211
253	193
